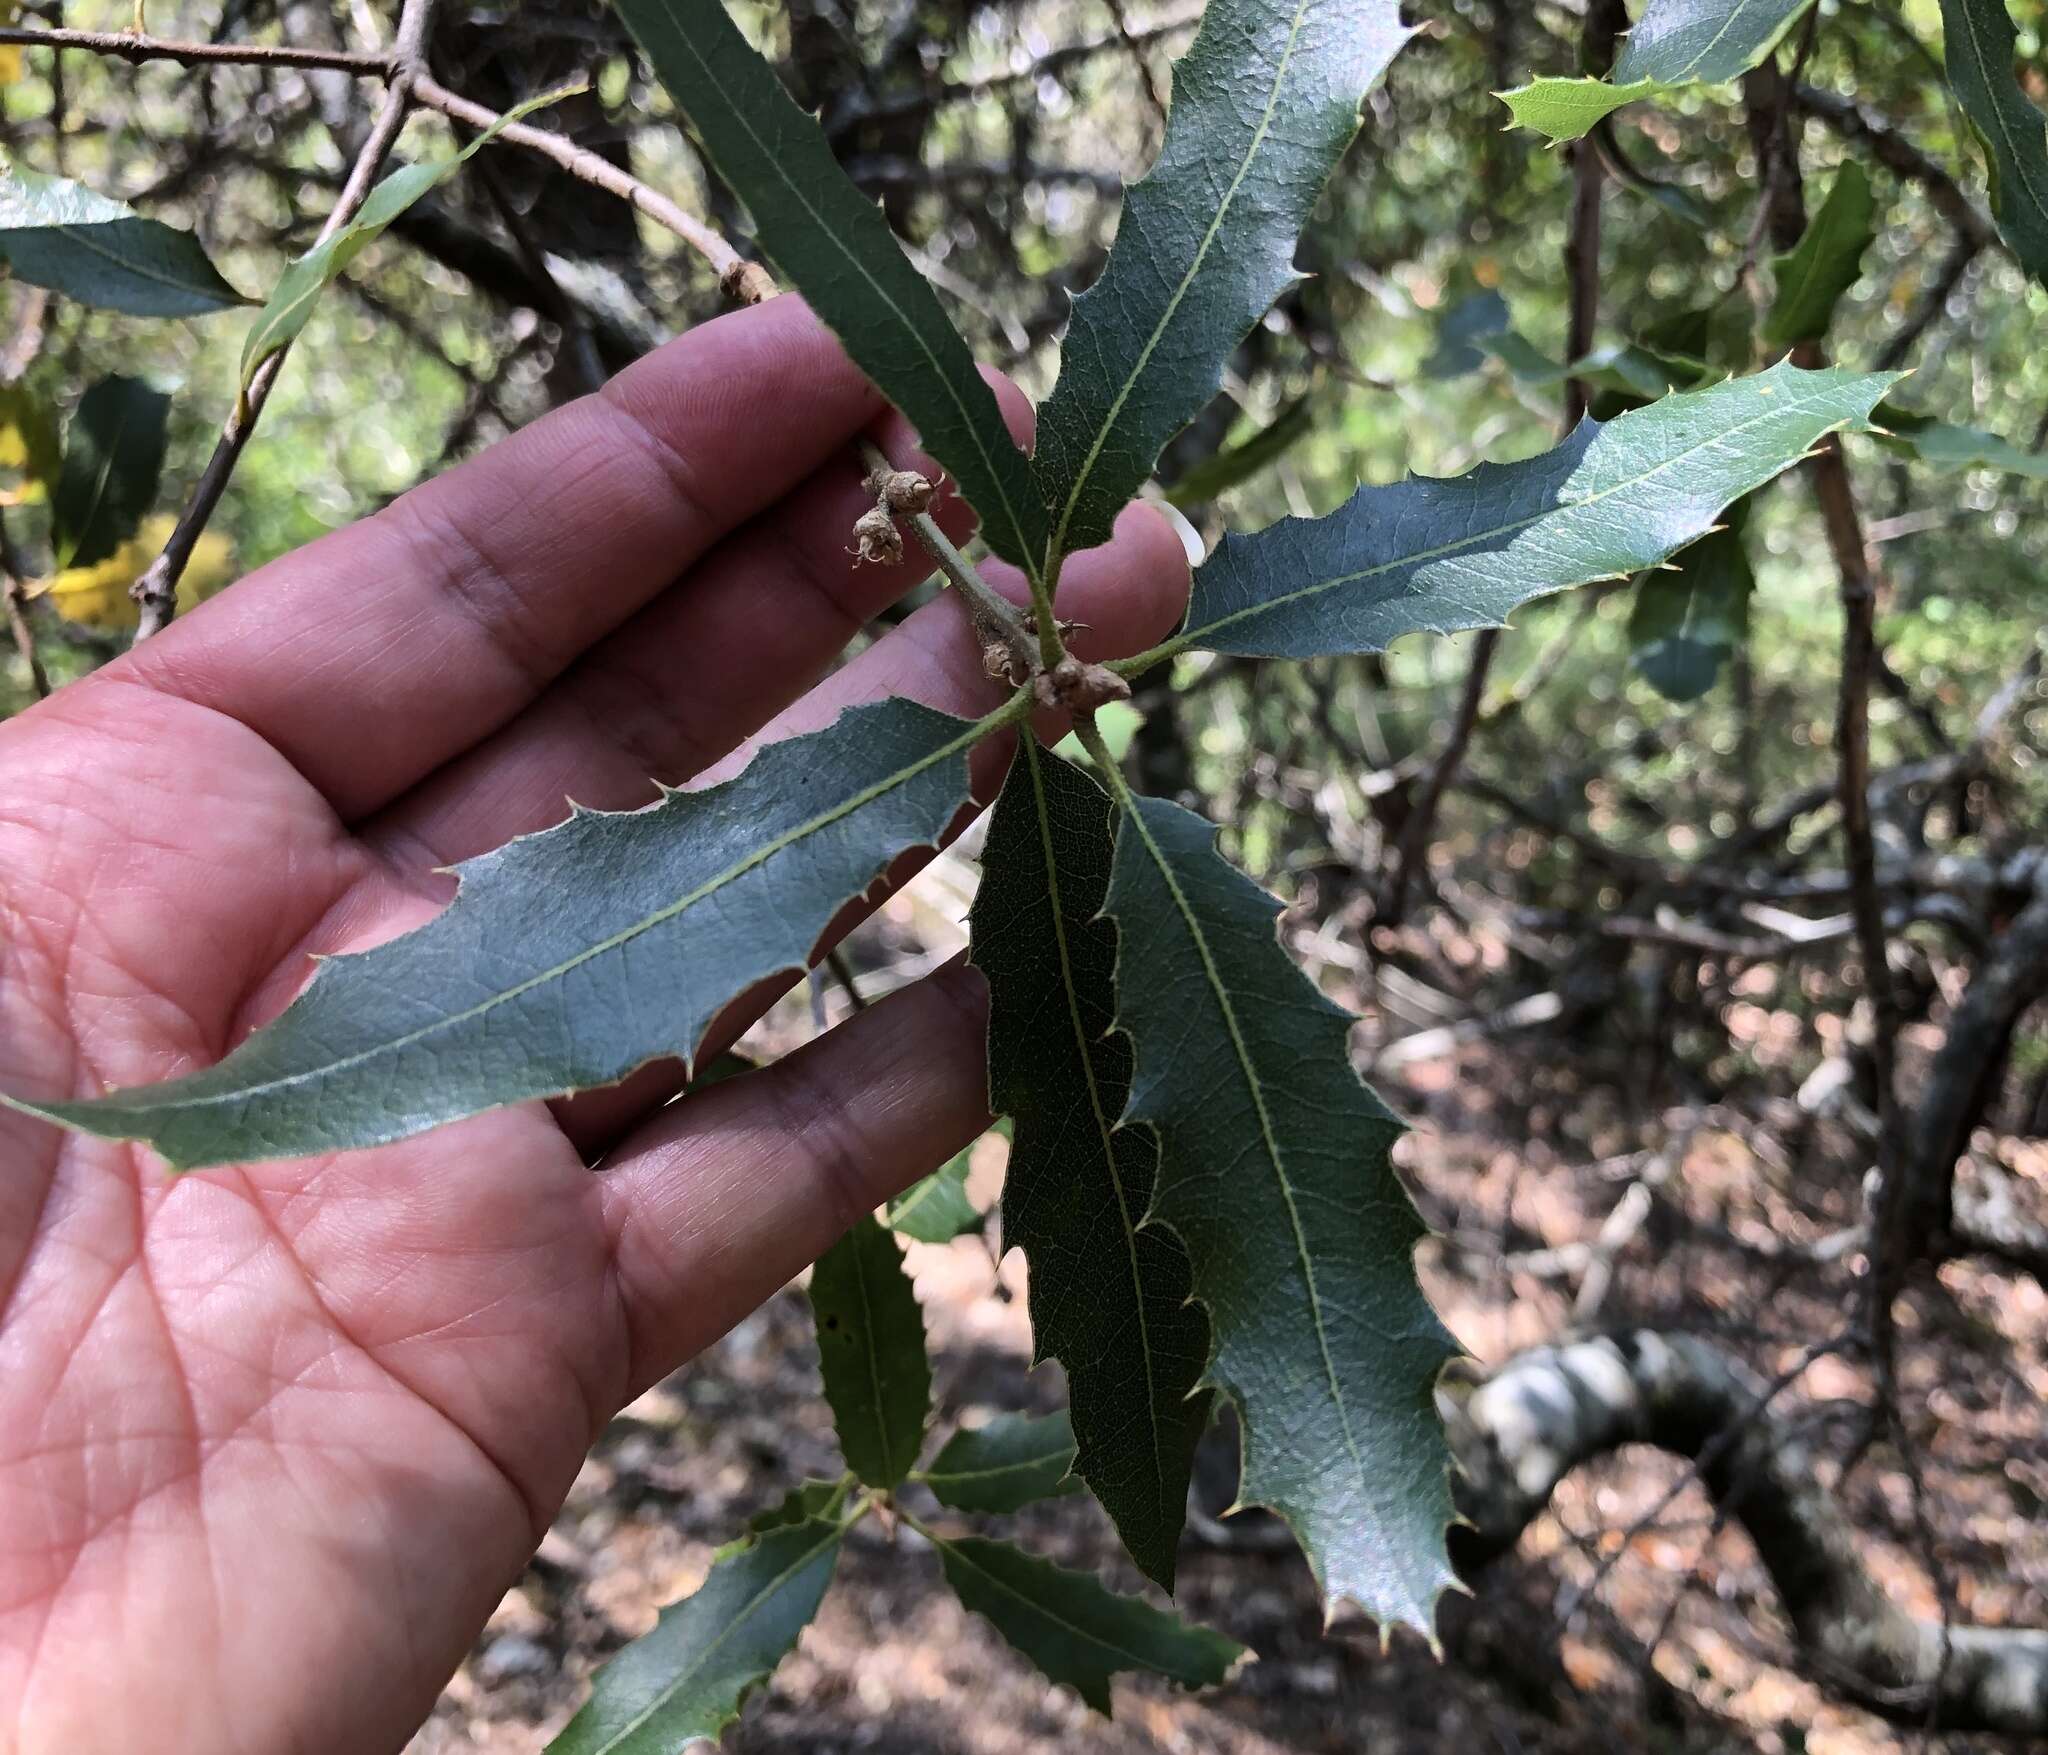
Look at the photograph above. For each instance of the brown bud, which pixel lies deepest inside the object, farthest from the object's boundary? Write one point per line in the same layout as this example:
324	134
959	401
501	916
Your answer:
876	537
902	491
1081	688
747	283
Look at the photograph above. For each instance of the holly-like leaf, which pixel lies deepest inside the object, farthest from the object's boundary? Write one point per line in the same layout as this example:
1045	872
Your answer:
935	1208
298	289
1675	43
1979	43
1812	277
1430	554
1108	1296
1275	1174
113	455
872	1354
1077	1631
1685	624
101	252
1264	103
569	958
832	241
686	1680
1005	1465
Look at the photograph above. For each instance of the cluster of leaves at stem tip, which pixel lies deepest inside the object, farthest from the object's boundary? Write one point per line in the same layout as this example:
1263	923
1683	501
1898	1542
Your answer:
1201	1185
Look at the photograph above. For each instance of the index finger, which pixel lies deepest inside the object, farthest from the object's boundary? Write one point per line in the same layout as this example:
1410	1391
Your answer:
375	654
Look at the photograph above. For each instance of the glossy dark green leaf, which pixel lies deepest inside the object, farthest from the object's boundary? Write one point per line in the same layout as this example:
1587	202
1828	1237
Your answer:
1979	43
872	1354
1675	43
1812	277
1108	1296
113	457
1264	103
1685	624
1009	1463
1275	1173
1073	1628
569	958
935	1208
101	252
686	1680
833	243
298	289
1436	555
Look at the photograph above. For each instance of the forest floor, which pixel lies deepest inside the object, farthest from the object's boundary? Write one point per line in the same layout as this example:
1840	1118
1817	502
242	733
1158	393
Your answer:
1628	1620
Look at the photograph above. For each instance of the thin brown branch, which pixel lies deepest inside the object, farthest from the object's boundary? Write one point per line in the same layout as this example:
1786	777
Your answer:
18	623
135	49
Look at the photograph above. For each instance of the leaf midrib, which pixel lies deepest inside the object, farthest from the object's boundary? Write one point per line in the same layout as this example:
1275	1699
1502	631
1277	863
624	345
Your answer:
1132	1659
77	235
1256	1088
344	1063
871	1347
1422	557
1104	1123
1123	395
1031	563
681	1680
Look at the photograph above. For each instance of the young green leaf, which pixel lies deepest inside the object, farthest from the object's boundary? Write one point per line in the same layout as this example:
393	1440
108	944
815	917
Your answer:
1465	552
835	245
1076	1630
686	1680
935	1208
806	1500
1275	1174
1264	103
113	455
1979	43
1108	1296
101	252
298	289
872	1354
569	958
1812	277
1005	1465
1676	43
1241	462
1684	624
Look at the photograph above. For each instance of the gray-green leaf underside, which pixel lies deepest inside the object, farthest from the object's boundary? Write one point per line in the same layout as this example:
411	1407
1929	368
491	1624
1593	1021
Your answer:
1073	1628
1275	1173
101	252
685	1681
871	1353
1675	43
1108	1297
1264	103
569	958
1009	1463
833	242
1978	43
1437	555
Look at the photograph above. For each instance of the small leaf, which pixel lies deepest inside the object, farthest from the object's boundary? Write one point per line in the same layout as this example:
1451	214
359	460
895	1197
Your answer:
113	455
806	1501
685	1681
1979	43
1005	1465
571	957
1275	1173
935	1208
1108	1297
1812	278
833	242
1676	43
871	1351
101	252
1234	467
1934	442
1074	1629
299	288
1436	555
1264	103
1684	625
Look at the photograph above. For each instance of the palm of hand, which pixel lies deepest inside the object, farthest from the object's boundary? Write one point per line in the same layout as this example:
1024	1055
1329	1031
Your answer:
279	1437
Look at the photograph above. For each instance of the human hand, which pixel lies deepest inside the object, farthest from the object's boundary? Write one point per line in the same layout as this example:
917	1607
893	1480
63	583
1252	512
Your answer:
274	1440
